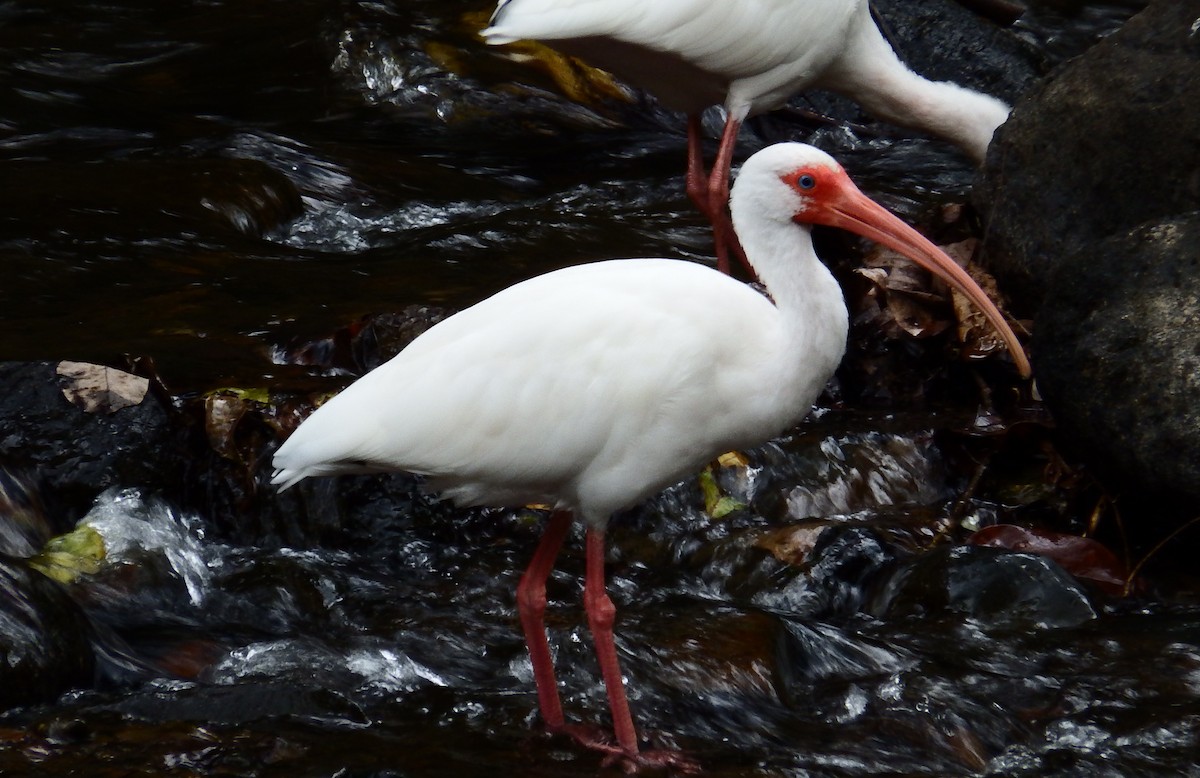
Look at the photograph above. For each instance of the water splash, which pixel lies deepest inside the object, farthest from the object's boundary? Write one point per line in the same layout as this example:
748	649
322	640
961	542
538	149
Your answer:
868	471
134	528
372	665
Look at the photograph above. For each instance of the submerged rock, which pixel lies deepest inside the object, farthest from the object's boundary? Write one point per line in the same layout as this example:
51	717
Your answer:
44	646
160	196
998	590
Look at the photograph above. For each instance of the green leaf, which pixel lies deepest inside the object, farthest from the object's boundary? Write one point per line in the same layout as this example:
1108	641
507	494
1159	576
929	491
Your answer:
716	504
66	558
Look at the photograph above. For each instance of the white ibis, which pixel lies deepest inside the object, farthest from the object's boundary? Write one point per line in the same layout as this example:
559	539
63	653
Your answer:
595	386
750	55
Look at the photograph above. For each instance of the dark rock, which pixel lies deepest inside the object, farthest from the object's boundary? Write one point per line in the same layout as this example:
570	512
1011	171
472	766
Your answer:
838	572
44	647
1107	149
1117	355
75	454
24	528
996	589
1107	143
944	41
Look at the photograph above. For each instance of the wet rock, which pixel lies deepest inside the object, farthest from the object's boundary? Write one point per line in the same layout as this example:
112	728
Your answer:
44	646
1102	146
77	454
997	590
1117	355
838	572
945	41
366	344
1083	184
812	654
24	527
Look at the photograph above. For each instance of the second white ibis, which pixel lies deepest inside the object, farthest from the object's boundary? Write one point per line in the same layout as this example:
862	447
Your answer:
751	56
593	387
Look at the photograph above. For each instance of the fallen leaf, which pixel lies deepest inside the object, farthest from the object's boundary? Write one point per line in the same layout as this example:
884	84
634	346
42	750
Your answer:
1081	557
222	412
578	80
716	504
975	332
905	292
96	388
791	545
733	459
66	558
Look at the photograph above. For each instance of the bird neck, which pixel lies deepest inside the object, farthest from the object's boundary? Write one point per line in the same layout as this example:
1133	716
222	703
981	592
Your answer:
808	298
871	73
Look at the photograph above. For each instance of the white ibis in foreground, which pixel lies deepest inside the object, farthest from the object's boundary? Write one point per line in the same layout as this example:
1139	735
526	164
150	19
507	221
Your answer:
750	55
593	387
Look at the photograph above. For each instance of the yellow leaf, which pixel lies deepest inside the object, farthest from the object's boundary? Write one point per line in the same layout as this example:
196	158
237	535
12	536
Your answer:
66	558
716	504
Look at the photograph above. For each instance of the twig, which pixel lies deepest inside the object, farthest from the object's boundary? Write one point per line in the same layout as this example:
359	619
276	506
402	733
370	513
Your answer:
1157	547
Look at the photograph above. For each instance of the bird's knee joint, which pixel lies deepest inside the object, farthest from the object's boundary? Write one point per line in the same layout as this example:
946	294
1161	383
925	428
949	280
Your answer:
531	599
601	612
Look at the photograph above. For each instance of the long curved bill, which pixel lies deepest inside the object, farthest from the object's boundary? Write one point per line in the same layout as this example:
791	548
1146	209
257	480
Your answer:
852	210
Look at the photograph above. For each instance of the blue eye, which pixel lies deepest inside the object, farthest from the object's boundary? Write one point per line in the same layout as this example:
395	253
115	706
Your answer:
805	181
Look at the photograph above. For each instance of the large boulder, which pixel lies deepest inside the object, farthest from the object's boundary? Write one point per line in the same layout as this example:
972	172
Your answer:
1117	354
1088	190
1107	143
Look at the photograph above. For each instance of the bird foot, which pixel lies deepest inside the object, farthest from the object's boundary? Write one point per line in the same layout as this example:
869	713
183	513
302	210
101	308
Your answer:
657	760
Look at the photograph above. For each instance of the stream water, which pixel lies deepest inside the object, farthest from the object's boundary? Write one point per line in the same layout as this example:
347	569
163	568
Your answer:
207	182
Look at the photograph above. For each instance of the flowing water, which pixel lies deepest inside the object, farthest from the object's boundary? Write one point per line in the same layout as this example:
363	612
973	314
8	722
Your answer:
205	182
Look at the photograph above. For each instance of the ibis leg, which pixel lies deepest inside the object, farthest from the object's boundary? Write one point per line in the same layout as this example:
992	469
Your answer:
531	605
601	614
724	238
697	178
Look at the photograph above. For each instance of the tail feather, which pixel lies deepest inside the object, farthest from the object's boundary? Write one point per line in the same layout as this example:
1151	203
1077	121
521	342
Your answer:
286	478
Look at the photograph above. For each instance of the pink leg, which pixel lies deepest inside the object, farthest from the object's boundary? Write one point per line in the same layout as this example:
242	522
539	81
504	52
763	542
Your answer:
724	238
697	179
531	605
601	613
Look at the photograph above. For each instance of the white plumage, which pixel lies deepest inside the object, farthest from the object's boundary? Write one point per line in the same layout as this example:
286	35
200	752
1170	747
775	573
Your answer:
581	388
592	387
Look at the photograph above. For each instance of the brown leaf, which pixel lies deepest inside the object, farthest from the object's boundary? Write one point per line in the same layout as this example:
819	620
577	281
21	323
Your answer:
975	332
1081	557
791	545
914	316
908	299
96	388
222	412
